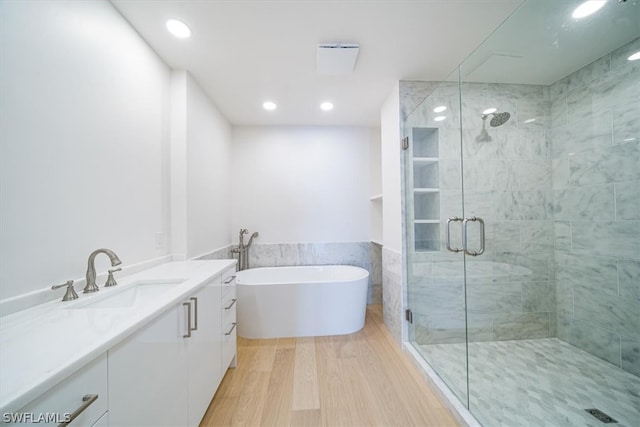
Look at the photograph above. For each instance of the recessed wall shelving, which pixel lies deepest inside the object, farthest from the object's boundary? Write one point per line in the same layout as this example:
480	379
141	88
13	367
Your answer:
376	218
425	172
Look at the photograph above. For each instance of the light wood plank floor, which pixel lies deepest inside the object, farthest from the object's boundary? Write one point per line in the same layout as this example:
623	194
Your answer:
361	379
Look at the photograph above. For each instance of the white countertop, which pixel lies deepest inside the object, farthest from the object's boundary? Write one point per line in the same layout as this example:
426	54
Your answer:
43	345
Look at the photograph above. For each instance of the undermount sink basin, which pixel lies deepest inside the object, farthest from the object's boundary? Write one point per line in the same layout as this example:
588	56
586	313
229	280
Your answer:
130	295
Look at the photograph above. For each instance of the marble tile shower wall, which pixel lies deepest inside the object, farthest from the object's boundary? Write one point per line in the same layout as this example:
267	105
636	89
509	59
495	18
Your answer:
362	254
595	144
392	300
507	182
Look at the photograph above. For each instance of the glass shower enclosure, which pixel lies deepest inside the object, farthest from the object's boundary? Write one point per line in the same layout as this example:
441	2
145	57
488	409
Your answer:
522	219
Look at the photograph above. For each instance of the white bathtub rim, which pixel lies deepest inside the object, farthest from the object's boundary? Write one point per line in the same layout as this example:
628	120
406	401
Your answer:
363	273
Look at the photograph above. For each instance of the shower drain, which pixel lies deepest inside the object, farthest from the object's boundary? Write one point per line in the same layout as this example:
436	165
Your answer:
601	416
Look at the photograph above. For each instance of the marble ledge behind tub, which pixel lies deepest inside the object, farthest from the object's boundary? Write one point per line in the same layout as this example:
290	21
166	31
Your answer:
361	254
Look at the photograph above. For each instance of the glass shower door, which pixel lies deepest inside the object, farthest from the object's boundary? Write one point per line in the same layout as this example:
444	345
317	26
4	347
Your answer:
433	195
527	160
550	145
508	231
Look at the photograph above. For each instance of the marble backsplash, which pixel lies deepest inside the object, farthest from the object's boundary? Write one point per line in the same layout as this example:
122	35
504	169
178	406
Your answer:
366	255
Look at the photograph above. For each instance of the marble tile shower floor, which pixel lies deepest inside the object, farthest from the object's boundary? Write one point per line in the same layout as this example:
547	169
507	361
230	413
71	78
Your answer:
543	382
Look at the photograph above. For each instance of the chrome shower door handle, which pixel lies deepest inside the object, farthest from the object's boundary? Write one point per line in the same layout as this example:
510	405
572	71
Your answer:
465	234
448	234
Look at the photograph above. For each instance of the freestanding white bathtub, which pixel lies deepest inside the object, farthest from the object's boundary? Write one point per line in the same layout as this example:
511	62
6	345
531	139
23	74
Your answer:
278	302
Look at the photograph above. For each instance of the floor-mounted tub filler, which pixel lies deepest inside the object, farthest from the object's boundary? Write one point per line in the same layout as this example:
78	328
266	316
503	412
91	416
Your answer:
278	302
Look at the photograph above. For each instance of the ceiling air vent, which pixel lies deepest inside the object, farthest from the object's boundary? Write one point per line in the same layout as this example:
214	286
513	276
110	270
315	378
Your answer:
337	58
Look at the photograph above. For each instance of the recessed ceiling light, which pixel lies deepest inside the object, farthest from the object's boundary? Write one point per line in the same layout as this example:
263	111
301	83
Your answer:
269	106
439	118
439	109
490	110
635	56
326	106
530	120
587	8
178	29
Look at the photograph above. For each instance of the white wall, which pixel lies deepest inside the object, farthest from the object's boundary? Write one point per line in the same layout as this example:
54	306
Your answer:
391	172
178	163
84	134
302	184
376	188
208	174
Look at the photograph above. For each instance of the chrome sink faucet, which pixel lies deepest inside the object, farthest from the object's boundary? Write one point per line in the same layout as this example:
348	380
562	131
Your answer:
91	268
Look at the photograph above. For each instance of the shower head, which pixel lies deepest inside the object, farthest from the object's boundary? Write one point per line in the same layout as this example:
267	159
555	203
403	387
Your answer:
498	119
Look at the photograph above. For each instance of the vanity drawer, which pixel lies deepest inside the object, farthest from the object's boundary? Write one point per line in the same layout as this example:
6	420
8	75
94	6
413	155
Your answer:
74	393
228	281
228	345
229	304
228	327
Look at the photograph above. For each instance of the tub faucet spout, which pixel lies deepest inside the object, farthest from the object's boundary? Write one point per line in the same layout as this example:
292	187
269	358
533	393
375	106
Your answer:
91	268
243	250
243	231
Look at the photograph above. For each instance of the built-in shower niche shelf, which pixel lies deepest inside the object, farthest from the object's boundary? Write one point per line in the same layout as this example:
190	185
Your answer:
425	176
426	205
427	235
425	173
425	142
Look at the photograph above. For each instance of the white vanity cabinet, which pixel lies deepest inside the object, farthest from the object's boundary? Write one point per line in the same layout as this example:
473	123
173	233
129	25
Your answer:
145	357
84	392
204	355
147	374
167	372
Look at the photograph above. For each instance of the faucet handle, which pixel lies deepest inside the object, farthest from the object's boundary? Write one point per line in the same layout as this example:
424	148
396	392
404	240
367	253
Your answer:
110	280
70	294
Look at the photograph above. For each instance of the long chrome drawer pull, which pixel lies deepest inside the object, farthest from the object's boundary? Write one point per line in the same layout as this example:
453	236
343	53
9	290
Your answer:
448	234
195	316
233	326
233	301
229	280
188	305
465	236
87	400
